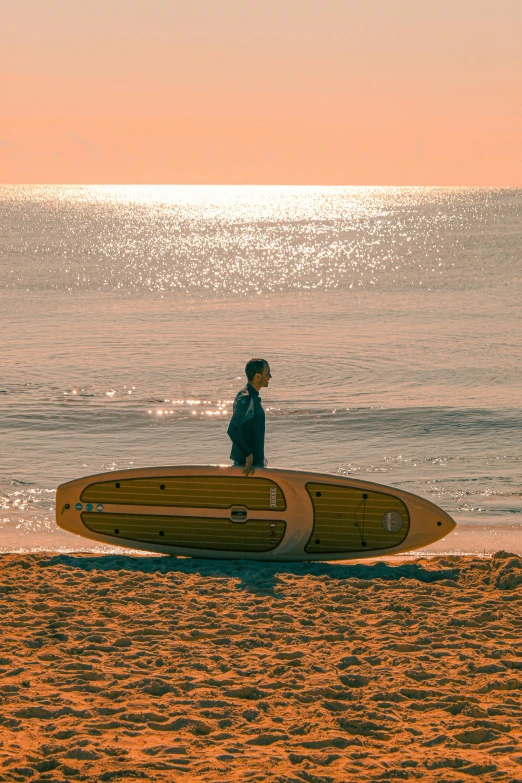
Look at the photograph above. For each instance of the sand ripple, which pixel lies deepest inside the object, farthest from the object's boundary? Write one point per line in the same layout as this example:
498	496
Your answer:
120	668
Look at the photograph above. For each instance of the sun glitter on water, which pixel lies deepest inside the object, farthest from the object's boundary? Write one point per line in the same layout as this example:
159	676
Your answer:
228	241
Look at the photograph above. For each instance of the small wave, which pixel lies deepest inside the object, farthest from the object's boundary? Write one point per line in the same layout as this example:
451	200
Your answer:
372	420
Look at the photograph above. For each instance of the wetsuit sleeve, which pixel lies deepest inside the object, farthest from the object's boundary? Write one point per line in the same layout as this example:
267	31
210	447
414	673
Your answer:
234	428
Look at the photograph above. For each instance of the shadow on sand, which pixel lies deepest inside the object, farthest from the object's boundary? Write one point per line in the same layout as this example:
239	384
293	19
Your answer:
257	576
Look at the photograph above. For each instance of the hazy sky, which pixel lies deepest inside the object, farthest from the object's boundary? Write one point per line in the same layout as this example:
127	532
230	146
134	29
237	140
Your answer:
261	91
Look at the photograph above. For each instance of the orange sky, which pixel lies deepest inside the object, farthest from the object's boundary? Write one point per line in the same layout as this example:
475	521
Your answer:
355	92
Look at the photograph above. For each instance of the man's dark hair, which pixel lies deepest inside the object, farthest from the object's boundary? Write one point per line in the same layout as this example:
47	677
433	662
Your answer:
254	366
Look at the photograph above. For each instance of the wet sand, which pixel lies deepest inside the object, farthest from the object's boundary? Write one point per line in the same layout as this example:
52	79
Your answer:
117	667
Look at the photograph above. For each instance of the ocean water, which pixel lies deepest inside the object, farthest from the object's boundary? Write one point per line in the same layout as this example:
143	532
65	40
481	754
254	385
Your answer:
390	318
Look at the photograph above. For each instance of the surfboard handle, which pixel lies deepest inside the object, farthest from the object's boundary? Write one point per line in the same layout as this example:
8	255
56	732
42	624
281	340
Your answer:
238	514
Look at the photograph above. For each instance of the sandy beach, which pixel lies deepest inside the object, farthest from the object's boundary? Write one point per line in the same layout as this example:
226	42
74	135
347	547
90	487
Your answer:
128	667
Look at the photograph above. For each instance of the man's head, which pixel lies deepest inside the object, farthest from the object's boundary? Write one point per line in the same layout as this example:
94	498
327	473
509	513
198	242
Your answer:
258	373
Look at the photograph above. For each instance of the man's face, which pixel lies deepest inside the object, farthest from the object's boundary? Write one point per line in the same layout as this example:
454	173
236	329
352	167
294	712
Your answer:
264	377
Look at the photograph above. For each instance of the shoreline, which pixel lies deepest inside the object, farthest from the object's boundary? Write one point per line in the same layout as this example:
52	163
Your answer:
465	541
126	666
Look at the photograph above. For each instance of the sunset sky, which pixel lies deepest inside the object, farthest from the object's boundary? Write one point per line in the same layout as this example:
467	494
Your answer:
341	92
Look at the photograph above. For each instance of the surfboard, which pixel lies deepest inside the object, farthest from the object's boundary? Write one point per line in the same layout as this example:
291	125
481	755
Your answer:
215	511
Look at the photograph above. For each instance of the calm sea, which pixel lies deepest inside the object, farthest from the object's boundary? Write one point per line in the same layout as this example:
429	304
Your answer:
390	318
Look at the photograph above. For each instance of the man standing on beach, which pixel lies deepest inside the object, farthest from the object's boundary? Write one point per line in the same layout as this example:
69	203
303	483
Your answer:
247	425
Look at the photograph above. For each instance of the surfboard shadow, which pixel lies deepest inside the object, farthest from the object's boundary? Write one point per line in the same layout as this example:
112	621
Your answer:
254	576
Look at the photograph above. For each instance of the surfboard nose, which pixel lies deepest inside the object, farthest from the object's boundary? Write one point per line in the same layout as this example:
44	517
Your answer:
442	523
430	523
445	522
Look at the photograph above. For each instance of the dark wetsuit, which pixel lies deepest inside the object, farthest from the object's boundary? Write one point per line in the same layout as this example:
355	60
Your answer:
247	427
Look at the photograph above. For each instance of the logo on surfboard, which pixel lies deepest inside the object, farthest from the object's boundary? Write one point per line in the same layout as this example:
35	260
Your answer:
273	497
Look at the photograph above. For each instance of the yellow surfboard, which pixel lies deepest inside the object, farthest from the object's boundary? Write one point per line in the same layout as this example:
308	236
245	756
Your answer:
213	511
